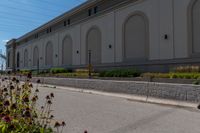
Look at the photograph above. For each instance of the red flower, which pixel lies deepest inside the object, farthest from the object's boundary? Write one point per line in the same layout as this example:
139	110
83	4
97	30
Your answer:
49	102
6	103
57	124
52	95
13	79
12	87
31	85
63	124
29	75
34	99
38	81
27	114
7	119
47	97
26	99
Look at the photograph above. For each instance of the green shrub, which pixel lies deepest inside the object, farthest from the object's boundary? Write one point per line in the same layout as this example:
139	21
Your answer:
81	70
69	70
58	70
34	72
120	73
173	76
25	72
102	74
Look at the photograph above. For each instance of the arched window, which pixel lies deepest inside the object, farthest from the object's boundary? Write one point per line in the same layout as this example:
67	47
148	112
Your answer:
49	54
18	59
67	51
35	56
195	26
26	58
8	60
135	38
94	45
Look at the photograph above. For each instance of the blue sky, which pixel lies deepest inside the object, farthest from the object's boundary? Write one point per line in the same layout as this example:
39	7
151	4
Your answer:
18	17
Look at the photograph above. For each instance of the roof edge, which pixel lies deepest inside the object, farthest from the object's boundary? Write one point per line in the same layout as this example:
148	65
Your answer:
59	18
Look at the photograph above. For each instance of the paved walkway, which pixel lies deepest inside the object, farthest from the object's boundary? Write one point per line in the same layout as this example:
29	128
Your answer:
106	114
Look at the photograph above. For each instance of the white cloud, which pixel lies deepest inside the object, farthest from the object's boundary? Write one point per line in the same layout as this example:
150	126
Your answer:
4	41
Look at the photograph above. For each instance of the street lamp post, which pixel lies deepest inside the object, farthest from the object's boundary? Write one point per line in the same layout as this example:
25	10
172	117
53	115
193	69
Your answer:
38	66
89	64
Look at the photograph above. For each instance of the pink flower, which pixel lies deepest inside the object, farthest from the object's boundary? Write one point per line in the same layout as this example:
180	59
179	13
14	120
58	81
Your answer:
7	119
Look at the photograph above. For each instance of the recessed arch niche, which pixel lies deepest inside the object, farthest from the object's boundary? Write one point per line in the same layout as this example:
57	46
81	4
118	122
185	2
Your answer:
135	38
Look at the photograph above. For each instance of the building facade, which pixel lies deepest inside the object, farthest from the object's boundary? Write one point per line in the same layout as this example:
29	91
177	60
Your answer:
150	34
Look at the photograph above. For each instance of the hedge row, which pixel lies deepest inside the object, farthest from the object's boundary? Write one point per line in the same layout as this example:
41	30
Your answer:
120	73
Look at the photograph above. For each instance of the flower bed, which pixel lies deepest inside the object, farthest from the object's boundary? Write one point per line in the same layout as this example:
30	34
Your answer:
19	112
173	75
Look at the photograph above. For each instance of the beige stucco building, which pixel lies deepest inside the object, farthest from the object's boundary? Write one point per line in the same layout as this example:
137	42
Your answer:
150	34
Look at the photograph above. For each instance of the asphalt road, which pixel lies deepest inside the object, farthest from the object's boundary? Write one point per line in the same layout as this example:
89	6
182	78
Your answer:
106	114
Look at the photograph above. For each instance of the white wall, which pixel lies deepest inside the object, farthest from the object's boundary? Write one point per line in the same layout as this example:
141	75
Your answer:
74	33
148	8
181	28
164	17
166	28
106	25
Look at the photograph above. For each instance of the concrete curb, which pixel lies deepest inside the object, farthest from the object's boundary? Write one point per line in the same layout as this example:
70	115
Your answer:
131	97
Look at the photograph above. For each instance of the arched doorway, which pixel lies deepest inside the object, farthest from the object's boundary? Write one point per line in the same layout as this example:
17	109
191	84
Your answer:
195	16
67	51
49	54
18	59
94	45
26	58
135	38
35	56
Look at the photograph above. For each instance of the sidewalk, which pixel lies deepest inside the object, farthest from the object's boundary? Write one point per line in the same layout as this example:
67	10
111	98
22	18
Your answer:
129	97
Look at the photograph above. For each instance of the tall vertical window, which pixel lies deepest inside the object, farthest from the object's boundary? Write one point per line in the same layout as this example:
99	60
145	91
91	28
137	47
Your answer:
95	9
18	60
36	35
68	21
49	30
8	59
89	12
65	23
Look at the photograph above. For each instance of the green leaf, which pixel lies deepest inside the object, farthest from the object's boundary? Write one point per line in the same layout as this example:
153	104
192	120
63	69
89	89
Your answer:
1	126
41	130
3	130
